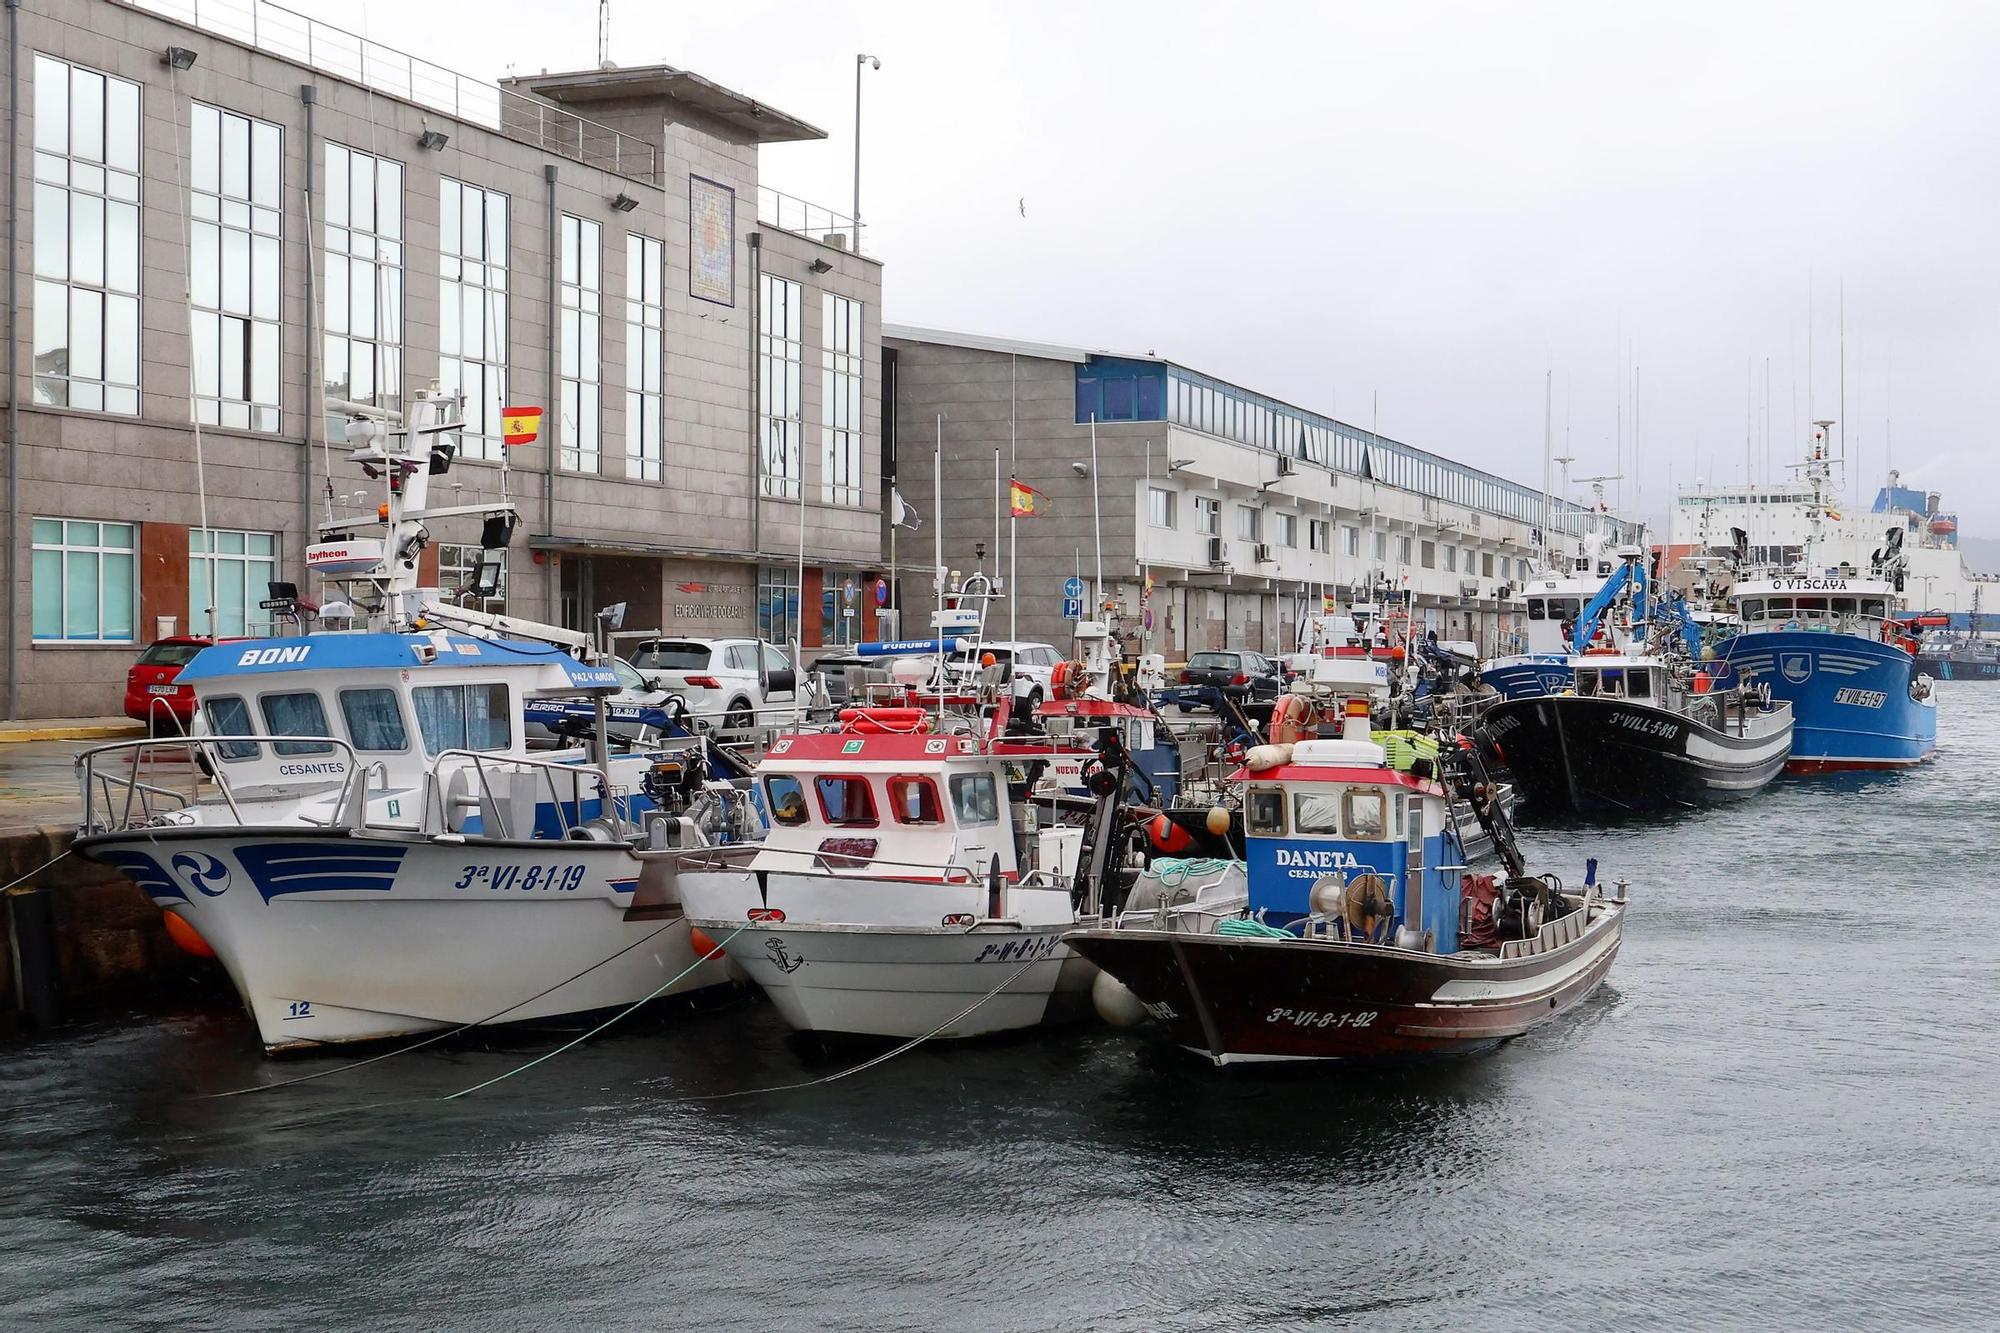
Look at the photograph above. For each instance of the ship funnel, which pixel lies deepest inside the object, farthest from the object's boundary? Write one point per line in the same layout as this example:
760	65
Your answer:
1355	727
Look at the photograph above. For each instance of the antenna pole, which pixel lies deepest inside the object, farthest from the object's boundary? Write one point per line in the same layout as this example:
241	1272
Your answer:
1096	514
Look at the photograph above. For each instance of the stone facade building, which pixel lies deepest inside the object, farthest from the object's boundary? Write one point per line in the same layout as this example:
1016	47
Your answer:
233	226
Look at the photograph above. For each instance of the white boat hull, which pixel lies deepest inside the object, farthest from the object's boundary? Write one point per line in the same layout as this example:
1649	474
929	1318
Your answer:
901	974
333	939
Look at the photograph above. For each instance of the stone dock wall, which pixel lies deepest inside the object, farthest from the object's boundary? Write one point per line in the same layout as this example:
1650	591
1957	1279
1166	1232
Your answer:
111	941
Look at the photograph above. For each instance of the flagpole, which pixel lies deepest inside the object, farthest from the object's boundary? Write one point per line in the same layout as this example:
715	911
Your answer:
1013	522
937	539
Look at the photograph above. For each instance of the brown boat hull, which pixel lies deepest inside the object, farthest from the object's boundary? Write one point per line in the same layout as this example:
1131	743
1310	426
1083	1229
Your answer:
1242	1000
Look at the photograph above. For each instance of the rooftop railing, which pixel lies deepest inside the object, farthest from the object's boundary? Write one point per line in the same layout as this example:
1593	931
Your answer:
775	208
279	31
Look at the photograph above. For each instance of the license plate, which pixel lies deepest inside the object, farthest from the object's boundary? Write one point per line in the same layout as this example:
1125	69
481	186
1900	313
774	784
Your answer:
163	689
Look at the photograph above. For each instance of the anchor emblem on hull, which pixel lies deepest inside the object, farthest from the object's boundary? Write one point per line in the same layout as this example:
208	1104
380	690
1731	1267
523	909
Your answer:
774	949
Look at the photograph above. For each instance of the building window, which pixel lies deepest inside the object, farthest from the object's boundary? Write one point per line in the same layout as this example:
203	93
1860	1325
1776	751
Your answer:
1250	523
86	239
1486	566
1380	545
1316	534
780	379
645	319
778	602
227	574
236	268
1207	516
85	580
1506	568
840	403
1288	529
1403	549
472	308
1430	555
582	288
1451	559
363	296
458	566
1350	540
1160	507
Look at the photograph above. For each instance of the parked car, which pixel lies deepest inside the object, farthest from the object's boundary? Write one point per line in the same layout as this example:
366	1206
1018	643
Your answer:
725	682
1031	667
152	678
1244	676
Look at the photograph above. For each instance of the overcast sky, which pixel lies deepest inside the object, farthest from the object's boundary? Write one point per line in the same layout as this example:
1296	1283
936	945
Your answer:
1425	206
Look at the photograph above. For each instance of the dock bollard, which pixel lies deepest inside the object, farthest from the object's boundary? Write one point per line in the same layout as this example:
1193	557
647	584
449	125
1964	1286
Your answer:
31	927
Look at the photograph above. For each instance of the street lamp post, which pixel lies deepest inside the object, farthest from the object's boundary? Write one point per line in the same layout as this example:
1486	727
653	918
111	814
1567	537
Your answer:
860	61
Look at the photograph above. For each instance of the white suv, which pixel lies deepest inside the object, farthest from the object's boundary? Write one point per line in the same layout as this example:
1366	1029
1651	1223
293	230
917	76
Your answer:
724	681
1031	667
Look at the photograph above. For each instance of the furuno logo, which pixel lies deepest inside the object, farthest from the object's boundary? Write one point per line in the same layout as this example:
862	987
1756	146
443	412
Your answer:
273	656
1797	667
205	874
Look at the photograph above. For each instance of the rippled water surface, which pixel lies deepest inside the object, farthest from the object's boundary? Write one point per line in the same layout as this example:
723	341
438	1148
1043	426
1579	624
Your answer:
1781	1112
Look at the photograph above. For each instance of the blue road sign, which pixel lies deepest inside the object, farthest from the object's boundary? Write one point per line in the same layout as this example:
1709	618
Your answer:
1072	608
1073	589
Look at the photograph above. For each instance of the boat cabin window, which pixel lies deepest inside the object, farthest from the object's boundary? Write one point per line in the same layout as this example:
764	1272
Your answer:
786	799
974	797
1564	608
1537	609
1264	810
463	717
846	801
1875	608
298	713
1367	814
1639	683
1586	682
1316	812
1416	822
1812	606
1611	681
1843	606
374	720
915	801
230	716
1753	608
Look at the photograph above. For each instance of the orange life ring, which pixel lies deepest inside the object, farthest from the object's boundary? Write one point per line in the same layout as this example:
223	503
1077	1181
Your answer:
1066	681
1291	720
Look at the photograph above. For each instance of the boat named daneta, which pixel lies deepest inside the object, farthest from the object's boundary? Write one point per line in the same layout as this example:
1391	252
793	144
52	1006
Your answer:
1829	641
375	851
1352	931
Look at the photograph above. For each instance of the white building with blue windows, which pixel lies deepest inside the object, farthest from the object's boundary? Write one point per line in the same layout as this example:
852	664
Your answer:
1243	509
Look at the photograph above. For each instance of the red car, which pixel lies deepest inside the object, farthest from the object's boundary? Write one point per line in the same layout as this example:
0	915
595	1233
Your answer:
152	678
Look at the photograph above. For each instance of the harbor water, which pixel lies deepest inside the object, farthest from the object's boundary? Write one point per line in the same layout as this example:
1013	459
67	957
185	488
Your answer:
1780	1112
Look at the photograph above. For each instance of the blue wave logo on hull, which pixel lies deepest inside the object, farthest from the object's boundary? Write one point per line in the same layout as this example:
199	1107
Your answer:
278	868
144	871
205	874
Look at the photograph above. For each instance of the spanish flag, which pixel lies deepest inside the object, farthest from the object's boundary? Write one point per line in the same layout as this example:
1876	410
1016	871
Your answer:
1021	499
1833	514
520	425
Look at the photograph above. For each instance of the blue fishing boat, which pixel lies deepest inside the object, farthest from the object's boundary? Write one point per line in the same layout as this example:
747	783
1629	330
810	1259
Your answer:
1828	640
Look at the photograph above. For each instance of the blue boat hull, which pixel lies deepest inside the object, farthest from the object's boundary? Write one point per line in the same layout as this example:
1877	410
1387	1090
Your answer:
1529	677
1852	706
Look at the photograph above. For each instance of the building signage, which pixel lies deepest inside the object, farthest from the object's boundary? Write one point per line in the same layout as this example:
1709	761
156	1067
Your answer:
711	241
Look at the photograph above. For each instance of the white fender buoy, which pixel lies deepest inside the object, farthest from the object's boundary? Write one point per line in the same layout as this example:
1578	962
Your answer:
1116	1004
1262	758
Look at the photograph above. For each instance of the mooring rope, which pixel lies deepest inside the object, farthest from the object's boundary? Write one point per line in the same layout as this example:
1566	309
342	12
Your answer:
37	870
883	1058
714	951
437	1037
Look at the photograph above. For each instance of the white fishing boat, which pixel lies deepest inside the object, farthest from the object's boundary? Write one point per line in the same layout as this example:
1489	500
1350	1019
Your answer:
377	852
913	882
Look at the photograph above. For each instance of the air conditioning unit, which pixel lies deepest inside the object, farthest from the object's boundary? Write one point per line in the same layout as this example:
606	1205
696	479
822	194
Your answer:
1263	554
1218	553
1503	592
1286	465
1468	588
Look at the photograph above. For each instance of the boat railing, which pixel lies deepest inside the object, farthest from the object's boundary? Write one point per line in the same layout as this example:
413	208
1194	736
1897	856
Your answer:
440	804
112	798
826	865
